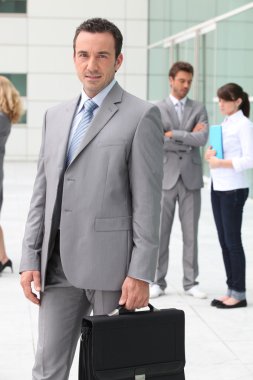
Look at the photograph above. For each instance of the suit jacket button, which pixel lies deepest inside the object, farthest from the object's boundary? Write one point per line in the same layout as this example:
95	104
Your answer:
180	158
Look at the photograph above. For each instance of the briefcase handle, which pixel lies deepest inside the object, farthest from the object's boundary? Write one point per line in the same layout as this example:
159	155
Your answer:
122	310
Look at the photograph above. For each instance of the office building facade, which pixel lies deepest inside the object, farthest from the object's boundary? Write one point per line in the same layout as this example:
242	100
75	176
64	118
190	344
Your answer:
36	52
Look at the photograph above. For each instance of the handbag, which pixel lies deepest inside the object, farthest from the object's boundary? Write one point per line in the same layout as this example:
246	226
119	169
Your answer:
133	345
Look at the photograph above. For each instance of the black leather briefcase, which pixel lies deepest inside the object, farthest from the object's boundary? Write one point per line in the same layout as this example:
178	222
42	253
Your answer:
133	346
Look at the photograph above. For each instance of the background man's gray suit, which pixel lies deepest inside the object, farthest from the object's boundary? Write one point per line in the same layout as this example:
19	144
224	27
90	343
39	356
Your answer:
183	176
106	206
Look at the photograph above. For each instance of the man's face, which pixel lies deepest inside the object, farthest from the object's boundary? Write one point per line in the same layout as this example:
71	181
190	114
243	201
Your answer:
181	84
95	61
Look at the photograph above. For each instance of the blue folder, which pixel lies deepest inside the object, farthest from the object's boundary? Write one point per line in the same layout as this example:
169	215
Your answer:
215	138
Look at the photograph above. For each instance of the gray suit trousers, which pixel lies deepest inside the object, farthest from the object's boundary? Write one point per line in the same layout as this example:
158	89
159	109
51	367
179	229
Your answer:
60	316
189	212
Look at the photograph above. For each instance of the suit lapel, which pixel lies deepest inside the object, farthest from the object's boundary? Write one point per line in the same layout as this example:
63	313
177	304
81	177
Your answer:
67	115
186	114
104	114
172	114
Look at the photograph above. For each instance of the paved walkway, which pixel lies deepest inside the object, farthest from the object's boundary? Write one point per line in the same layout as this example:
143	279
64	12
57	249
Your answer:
219	343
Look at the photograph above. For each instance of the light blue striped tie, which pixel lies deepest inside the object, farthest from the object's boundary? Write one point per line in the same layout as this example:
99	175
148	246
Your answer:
179	110
89	107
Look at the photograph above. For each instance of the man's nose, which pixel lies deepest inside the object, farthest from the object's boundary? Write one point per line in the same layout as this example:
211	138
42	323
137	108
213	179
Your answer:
92	63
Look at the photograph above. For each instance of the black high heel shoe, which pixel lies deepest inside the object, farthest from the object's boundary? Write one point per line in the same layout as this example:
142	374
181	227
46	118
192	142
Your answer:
5	265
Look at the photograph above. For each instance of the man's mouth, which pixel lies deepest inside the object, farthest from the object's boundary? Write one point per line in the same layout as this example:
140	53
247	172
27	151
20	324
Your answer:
93	77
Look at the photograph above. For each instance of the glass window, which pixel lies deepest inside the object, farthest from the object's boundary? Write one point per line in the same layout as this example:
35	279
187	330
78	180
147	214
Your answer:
158	86
20	82
9	6
222	55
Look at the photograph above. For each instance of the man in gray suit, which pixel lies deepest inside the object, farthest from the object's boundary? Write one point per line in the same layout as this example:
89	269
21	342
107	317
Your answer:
186	129
91	238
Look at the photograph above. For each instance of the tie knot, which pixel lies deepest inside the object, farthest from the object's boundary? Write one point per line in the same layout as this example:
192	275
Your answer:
90	106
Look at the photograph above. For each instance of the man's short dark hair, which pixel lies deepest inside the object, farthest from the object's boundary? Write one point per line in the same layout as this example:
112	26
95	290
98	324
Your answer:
180	66
100	25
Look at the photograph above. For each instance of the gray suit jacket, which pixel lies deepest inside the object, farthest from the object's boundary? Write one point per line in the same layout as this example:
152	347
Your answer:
5	128
181	153
110	204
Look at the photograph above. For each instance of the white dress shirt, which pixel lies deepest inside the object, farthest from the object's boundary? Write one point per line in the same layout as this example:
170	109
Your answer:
237	139
98	99
178	104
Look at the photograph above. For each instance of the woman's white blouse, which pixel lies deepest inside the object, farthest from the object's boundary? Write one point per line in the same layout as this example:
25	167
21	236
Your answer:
237	138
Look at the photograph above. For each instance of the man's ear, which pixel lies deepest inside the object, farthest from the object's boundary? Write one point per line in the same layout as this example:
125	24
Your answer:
118	62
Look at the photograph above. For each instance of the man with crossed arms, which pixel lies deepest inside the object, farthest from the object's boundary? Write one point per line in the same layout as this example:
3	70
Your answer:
185	125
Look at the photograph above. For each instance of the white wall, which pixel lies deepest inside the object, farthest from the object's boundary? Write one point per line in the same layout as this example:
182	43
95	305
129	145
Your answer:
40	45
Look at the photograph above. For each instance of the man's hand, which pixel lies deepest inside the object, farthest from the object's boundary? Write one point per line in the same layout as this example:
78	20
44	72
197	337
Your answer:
135	294
26	280
199	127
168	134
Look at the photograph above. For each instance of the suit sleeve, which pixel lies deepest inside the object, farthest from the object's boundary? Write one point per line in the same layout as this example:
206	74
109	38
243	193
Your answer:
245	161
190	138
146	173
34	230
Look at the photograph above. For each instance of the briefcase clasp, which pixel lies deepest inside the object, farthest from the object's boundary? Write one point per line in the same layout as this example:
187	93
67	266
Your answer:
140	377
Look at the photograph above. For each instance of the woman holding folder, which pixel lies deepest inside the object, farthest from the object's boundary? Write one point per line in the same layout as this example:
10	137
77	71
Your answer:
230	189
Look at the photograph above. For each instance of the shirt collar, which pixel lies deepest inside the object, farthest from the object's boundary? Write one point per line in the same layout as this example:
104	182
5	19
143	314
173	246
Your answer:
232	118
176	101
98	99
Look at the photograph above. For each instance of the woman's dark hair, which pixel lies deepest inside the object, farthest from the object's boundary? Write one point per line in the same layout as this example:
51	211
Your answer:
100	25
180	66
231	92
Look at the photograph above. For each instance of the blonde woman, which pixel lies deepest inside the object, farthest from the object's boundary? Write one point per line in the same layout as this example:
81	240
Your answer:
10	112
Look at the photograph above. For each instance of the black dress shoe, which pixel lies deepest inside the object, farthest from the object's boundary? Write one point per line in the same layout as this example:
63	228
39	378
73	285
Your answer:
242	303
5	265
215	302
